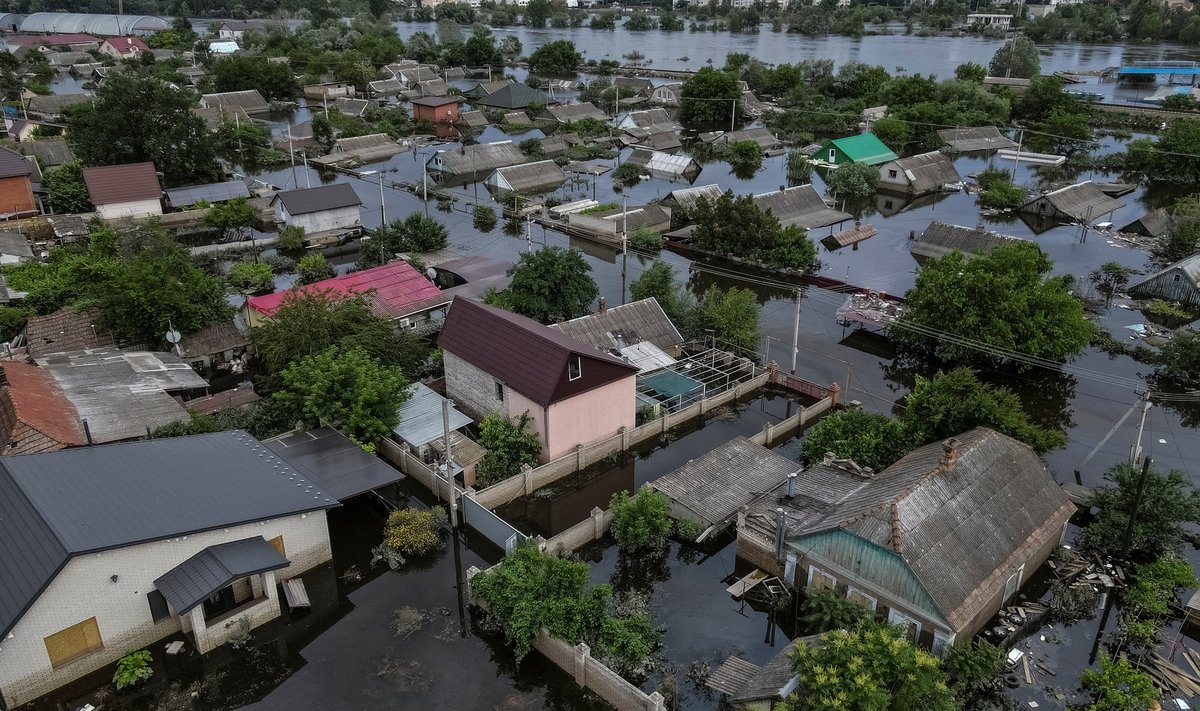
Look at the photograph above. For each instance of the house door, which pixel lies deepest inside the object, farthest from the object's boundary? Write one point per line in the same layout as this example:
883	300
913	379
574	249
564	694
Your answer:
832	155
219	602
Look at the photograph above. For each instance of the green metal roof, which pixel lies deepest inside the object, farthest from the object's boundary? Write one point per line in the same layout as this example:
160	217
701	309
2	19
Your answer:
864	148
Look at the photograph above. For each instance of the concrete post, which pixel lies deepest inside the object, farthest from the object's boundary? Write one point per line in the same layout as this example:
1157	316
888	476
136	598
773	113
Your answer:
703	406
471	573
770	434
664	417
655	702
526	479
582	653
597	523
624	438
835	392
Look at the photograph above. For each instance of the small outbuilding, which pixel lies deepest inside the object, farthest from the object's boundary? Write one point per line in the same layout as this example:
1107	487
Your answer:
864	148
1155	223
1178	282
664	165
514	96
475	160
131	190
320	209
922	174
436	109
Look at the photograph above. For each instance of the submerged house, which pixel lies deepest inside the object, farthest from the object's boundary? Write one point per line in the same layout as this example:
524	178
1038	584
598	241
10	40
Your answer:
1178	282
664	165
249	101
1155	223
1081	202
321	209
981	138
862	148
499	362
473	161
921	174
131	190
940	239
568	113
936	543
801	206
113	548
527	178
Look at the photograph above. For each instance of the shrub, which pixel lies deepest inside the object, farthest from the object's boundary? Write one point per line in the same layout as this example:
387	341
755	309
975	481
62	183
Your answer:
641	521
133	668
313	268
509	444
484	218
254	277
853	181
291	238
824	610
645	239
411	533
627	174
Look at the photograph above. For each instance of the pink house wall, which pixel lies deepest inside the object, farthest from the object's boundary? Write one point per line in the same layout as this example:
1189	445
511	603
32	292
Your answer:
586	418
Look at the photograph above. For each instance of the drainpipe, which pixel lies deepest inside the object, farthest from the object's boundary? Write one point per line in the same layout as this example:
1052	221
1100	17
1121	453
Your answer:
780	523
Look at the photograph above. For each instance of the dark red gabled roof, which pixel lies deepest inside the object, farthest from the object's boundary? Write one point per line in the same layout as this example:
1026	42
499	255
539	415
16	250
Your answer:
114	184
39	402
525	355
126	45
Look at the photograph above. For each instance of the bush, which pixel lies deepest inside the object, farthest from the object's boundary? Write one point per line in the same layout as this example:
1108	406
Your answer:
133	668
870	439
824	610
252	277
853	181
641	521
509	444
12	320
412	533
484	218
627	174
314	268
999	192
291	238
645	239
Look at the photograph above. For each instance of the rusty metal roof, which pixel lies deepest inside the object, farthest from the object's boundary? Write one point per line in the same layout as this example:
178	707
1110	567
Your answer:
113	184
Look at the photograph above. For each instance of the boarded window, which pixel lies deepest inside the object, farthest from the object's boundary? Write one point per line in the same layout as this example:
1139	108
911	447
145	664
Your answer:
158	605
74	642
277	544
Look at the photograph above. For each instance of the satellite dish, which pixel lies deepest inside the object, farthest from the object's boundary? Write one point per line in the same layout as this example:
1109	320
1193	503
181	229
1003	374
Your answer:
173	336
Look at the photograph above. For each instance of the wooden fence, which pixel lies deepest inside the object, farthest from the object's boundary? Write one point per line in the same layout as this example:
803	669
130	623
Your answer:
532	479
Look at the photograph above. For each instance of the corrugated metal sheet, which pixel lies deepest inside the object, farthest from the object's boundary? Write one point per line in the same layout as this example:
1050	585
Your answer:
665	165
566	113
688	197
623	325
421	416
1155	223
940	239
249	101
334	463
212	192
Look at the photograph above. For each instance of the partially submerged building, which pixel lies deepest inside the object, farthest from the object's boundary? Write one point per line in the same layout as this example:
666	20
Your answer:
801	206
322	209
514	96
921	174
499	362
1078	203
1155	223
766	141
249	101
935	543
526	178
569	113
940	239
863	148
118	191
474	161
981	138
664	165
1178	282
114	548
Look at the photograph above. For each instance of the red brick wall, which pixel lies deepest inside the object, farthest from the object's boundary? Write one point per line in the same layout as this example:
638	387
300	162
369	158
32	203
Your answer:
16	195
447	113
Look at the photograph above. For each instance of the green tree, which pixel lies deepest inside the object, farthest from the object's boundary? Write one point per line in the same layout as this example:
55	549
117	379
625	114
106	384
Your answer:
1110	278
1117	686
731	315
1176	154
1017	58
349	390
274	80
744	154
825	610
659	282
480	49
710	97
999	192
557	58
251	277
550	285
310	321
136	118
872	667
1005	301
1062	131
66	189
641	521
291	238
736	225
1168	501
853	181
1183	239
954	402
231	218
894	134
313	268
1179	361
970	71
415	233
870	439
510	445
510	46
975	670
12	320
537	12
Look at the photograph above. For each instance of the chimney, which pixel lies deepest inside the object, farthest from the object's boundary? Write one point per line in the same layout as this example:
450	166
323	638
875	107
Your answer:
827	460
603	305
949	453
791	485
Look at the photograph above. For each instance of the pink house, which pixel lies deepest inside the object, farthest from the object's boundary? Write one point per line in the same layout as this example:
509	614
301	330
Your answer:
123	47
497	361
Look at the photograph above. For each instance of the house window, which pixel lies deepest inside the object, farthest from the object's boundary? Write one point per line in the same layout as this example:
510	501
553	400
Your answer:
158	605
574	368
820	581
500	391
860	598
832	155
1013	584
912	628
892	174
1175	277
941	643
277	544
74	642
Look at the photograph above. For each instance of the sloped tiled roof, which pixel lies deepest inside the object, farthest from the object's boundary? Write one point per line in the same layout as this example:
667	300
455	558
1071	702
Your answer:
40	403
65	330
926	172
12	164
801	206
940	239
127	45
396	287
523	354
514	96
111	184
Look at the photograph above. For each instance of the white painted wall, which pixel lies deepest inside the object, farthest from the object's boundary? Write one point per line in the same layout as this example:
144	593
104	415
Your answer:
339	219
84	588
137	208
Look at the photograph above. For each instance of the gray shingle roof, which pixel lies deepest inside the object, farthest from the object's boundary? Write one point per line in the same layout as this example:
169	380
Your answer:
714	486
12	164
528	177
1081	201
249	101
567	113
61	504
801	206
1153	224
514	96
940	239
624	325
478	158
51	153
325	197
195	579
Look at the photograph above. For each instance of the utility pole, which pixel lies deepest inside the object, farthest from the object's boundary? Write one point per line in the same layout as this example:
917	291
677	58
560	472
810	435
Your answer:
425	187
733	116
624	242
796	334
382	205
449	464
1135	452
1133	512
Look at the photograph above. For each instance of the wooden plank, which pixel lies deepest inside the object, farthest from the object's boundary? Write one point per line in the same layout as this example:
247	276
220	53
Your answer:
740	588
1028	674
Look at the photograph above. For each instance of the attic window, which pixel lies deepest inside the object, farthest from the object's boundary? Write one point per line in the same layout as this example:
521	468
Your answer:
892	174
1175	277
574	368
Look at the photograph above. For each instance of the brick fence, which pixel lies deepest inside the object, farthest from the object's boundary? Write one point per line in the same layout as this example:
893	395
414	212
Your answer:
590	529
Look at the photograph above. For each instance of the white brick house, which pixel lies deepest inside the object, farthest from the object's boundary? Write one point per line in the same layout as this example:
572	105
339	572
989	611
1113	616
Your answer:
104	545
322	209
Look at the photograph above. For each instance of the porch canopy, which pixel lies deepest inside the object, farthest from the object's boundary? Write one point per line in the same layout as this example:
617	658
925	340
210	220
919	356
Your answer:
196	579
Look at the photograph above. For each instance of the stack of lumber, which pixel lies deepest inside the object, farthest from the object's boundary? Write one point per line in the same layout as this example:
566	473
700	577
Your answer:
1169	677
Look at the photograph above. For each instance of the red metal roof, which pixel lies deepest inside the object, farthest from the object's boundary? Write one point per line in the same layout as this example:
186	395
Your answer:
112	184
525	355
397	287
125	45
40	403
